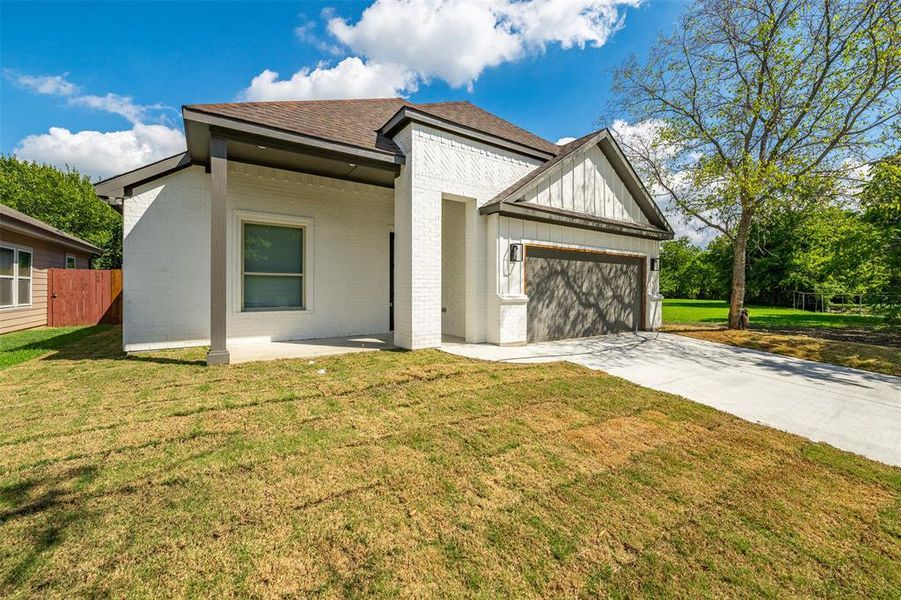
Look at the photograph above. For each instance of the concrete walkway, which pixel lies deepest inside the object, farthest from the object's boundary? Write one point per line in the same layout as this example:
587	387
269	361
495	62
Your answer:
850	409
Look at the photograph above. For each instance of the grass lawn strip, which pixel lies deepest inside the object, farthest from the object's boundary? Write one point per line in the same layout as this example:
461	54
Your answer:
677	310
415	473
20	346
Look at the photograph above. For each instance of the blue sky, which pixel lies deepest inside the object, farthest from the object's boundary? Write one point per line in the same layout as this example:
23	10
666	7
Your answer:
109	78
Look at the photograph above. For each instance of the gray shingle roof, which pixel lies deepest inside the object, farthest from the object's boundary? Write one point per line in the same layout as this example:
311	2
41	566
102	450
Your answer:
12	214
357	122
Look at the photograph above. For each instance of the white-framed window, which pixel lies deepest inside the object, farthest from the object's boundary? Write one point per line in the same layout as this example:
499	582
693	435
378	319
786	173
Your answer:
71	262
15	276
273	266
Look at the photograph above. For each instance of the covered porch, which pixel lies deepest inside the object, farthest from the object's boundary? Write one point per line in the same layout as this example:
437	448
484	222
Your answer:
256	291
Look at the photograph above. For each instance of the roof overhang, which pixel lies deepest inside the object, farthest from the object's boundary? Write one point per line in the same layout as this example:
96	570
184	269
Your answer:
408	114
558	216
11	223
121	186
268	146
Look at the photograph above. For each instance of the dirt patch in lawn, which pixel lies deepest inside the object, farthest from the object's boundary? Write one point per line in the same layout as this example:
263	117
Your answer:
416	474
890	338
868	357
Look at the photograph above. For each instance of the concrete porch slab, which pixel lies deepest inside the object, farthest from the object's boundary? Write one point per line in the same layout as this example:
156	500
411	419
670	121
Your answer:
255	351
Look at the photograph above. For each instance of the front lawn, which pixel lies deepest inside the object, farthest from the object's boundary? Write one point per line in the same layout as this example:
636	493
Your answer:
415	474
20	346
676	310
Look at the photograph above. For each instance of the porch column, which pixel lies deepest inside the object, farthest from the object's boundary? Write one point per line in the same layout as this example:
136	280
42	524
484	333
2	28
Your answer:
218	353
417	262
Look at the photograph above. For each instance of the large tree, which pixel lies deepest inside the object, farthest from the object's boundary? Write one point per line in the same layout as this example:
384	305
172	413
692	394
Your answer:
66	200
752	103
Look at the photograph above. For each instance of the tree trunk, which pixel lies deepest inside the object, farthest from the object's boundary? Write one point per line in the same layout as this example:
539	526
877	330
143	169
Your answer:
740	247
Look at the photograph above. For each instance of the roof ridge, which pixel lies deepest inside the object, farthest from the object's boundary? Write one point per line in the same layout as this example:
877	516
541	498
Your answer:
309	101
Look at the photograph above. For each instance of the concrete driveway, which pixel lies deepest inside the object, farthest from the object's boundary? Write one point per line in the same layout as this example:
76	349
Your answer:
850	409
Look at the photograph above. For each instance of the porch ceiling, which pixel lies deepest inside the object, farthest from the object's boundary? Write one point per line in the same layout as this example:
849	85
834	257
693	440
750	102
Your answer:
279	150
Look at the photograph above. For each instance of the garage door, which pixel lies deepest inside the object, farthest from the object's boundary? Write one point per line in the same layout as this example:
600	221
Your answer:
580	294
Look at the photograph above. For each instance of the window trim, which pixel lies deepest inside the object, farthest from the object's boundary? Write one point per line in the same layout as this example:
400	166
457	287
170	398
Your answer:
16	277
74	261
279	220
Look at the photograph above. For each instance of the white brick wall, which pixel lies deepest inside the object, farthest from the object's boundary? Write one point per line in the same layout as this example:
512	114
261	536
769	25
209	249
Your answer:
166	258
166	262
166	283
439	165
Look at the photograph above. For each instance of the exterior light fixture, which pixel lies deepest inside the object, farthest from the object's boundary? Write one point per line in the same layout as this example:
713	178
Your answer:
516	253
261	147
655	264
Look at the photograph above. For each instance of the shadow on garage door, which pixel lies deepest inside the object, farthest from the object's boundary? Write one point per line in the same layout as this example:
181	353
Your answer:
576	294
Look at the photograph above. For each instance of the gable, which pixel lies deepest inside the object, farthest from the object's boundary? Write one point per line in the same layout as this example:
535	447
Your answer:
591	184
585	182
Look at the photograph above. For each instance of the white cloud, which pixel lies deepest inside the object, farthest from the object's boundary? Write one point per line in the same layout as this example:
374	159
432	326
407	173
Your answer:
400	44
102	154
455	40
98	153
565	140
306	33
350	78
51	85
114	103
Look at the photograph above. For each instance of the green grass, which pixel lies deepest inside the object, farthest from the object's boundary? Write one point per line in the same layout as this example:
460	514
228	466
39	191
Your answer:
677	310
416	474
20	346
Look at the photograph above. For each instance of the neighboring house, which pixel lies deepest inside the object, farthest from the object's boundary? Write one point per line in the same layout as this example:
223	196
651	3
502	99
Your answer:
28	248
309	219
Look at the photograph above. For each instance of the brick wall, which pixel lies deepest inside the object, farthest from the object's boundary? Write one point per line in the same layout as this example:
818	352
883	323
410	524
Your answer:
166	283
440	165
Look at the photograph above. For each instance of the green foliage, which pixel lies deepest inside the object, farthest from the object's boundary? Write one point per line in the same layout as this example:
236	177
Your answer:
826	249
747	109
881	202
65	200
686	271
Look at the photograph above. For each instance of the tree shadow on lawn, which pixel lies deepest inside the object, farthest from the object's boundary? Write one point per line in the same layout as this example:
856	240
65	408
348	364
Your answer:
105	343
57	508
660	349
65	337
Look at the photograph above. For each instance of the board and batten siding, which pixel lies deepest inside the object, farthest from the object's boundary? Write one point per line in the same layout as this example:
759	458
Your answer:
586	182
46	255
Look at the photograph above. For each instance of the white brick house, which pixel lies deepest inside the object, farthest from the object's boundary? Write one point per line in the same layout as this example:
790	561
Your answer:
296	220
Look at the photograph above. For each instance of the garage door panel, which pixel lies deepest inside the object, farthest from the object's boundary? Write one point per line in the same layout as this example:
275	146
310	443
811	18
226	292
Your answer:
580	294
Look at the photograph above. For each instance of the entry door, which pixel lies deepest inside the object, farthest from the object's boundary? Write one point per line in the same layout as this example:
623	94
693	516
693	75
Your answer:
576	294
391	281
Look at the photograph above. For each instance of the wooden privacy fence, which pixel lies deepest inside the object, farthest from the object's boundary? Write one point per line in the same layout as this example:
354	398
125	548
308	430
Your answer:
83	297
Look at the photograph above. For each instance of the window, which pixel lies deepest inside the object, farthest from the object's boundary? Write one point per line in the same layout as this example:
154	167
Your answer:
15	277
71	263
273	267
7	276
